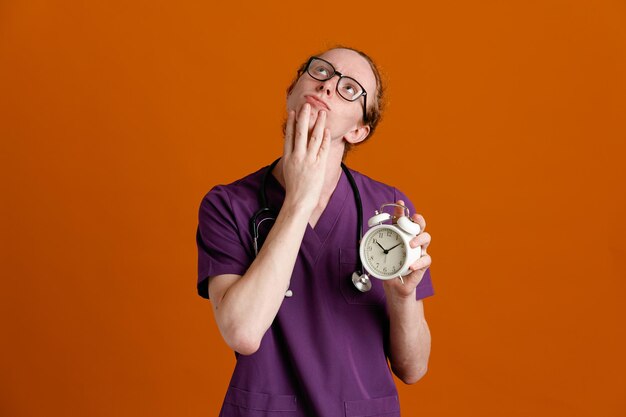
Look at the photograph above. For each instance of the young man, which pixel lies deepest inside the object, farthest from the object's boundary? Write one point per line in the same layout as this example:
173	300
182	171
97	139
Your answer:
307	341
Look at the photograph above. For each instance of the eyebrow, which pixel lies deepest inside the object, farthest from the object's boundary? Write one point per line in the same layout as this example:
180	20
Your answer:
341	72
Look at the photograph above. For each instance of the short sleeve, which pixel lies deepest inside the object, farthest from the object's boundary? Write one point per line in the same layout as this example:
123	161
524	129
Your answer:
425	287
220	248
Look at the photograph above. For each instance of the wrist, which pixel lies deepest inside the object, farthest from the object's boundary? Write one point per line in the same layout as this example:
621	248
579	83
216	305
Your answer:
398	296
297	208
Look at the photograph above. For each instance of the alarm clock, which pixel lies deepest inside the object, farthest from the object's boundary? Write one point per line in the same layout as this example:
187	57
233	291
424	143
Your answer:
385	250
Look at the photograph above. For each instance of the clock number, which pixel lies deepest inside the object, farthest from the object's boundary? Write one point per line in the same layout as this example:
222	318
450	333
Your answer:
380	235
388	233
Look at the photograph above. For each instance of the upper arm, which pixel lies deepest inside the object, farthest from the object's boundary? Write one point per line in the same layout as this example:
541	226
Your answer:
221	250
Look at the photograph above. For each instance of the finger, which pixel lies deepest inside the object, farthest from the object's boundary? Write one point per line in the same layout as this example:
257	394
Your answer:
302	129
398	211
325	146
422	263
423	240
419	219
288	146
317	135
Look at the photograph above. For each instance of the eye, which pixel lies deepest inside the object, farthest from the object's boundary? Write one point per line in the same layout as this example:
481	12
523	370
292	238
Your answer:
350	89
322	71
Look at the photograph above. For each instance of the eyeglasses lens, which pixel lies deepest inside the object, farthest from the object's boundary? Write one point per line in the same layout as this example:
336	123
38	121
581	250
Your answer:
320	70
347	87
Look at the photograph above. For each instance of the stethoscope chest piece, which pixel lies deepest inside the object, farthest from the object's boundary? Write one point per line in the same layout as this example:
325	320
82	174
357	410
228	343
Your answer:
361	281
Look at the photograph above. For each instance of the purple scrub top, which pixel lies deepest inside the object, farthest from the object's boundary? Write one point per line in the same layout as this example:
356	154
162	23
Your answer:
326	352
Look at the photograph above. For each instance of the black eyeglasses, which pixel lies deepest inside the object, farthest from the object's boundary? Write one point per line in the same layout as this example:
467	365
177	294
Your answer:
347	87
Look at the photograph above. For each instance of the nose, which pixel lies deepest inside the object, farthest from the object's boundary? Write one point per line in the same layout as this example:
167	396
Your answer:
329	86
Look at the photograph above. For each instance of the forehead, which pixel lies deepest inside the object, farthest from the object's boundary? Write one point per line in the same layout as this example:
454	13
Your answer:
351	64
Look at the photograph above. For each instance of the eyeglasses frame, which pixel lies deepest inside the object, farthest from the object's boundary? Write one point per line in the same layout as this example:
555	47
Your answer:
335	72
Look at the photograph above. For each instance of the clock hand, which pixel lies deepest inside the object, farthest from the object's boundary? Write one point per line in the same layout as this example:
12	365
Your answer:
384	250
394	247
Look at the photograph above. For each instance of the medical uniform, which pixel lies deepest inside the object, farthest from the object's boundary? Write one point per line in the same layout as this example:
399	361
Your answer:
325	354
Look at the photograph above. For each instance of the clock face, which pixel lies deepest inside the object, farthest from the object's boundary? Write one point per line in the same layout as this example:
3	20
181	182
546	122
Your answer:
384	252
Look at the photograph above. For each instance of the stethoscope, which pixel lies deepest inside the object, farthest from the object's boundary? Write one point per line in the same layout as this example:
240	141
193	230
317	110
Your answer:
360	280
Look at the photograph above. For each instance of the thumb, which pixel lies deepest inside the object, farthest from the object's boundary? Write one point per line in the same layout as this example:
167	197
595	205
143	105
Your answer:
398	211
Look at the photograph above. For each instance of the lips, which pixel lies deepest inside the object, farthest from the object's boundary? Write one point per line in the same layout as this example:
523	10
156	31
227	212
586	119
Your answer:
317	102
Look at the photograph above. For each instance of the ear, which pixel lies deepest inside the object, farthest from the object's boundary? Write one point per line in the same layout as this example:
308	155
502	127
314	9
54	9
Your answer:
358	134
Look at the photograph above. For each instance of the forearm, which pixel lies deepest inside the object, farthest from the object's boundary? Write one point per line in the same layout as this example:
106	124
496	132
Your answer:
249	305
409	338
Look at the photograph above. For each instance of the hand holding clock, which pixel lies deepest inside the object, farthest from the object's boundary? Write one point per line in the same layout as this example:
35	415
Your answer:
395	287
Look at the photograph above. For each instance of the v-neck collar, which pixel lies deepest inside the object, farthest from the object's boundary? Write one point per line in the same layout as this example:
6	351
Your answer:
314	238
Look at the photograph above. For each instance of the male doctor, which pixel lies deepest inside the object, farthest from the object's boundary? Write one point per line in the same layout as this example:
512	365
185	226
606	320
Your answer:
307	342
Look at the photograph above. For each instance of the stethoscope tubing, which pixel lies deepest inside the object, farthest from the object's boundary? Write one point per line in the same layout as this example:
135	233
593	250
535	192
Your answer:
272	214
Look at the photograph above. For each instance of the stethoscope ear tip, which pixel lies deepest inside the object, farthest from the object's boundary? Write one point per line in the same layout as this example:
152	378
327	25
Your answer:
361	281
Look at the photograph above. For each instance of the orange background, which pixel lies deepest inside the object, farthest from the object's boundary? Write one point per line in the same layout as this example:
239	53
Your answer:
505	126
